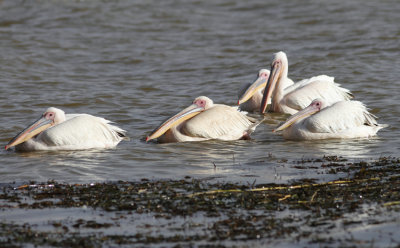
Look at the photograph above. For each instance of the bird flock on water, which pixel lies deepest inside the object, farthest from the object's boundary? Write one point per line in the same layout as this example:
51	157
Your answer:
318	107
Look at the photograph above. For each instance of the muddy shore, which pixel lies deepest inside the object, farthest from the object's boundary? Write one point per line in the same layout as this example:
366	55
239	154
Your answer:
360	210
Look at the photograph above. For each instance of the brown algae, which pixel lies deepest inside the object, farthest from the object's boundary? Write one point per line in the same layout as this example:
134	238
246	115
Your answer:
193	212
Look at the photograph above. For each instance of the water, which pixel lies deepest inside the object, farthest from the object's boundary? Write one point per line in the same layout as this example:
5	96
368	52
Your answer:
138	62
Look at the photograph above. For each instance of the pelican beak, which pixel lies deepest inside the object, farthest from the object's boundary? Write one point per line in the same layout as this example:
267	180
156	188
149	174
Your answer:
310	110
177	119
260	83
271	83
39	126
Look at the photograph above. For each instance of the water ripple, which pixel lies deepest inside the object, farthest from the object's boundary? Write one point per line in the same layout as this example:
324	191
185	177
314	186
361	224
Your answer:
138	62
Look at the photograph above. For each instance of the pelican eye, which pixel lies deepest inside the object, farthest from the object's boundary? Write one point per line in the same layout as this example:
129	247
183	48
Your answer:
50	115
200	103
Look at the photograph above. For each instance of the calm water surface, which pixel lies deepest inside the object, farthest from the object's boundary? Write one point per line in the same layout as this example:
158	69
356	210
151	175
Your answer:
137	62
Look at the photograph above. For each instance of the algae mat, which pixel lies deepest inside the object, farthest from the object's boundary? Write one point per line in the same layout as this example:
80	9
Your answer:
361	210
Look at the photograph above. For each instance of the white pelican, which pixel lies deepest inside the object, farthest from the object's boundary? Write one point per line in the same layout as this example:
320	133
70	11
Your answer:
250	96
291	99
204	120
55	130
344	119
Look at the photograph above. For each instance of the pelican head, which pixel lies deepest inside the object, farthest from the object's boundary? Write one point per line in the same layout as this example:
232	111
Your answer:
200	104
51	117
313	108
258	84
279	70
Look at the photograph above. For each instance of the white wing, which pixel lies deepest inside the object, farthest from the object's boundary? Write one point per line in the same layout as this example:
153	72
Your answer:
219	122
344	115
82	131
301	94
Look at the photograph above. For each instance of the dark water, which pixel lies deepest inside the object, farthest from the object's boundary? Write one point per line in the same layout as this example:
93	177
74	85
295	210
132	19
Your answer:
137	62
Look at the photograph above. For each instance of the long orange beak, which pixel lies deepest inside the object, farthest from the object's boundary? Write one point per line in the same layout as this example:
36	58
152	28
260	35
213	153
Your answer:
270	86
34	129
310	110
260	83
175	120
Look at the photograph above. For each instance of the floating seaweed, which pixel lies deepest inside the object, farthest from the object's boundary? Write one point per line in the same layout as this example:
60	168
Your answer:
192	211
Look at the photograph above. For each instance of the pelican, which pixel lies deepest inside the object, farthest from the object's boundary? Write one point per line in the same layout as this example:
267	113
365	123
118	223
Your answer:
55	130
250	96
291	99
344	119
204	120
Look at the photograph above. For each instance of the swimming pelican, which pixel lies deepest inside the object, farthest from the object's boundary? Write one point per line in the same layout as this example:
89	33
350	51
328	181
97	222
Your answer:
250	95
344	119
204	120
291	99
55	130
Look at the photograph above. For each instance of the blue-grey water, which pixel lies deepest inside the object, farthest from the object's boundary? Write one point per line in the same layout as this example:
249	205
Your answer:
138	62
